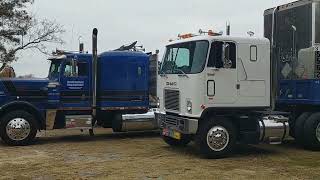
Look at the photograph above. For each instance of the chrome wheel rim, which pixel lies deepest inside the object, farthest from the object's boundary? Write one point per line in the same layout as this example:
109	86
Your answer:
18	129
318	132
218	138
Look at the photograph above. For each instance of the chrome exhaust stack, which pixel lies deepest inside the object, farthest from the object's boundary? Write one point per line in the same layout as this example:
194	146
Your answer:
274	129
94	72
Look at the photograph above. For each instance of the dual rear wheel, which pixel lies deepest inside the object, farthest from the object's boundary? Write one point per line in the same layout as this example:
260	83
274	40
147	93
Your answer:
307	130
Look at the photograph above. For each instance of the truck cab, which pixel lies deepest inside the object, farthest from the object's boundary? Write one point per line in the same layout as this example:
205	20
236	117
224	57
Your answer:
211	89
72	75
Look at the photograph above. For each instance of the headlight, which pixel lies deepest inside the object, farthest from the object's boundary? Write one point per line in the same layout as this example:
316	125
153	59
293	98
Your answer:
189	106
158	103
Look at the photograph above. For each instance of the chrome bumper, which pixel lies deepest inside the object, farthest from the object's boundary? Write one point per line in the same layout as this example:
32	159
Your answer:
176	122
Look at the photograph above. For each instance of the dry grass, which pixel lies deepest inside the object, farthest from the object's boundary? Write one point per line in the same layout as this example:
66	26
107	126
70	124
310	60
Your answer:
68	155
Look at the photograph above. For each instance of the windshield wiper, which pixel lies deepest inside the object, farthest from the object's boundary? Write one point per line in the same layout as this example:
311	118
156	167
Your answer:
183	73
162	74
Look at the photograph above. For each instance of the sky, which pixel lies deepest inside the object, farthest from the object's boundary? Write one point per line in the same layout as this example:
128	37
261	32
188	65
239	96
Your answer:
151	23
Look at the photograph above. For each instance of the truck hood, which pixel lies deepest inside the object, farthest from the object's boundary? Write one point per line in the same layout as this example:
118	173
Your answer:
24	87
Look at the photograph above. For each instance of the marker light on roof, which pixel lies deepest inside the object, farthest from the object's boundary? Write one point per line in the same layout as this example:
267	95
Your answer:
210	33
185	36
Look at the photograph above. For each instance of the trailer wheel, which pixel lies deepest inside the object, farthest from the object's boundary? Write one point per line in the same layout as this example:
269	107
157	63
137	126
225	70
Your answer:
312	132
216	138
184	141
18	128
299	128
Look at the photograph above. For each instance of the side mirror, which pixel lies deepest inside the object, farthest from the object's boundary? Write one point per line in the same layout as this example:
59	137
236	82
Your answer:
227	63
74	67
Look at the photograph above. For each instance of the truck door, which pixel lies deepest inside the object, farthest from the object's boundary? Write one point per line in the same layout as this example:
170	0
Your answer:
222	74
75	85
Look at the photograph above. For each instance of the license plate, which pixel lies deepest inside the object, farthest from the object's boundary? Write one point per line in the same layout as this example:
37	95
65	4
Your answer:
171	133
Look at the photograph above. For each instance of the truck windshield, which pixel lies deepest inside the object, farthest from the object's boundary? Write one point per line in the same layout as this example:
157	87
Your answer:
185	58
54	68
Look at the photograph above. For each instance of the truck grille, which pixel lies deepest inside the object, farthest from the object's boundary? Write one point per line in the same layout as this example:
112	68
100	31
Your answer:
171	120
172	100
174	121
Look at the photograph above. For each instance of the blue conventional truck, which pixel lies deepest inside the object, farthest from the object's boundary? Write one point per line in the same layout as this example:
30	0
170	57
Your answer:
81	91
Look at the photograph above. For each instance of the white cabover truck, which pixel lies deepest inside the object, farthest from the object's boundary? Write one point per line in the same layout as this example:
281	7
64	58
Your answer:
216	90
220	90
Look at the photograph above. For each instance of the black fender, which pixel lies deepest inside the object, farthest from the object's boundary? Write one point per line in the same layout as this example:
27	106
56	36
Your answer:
23	105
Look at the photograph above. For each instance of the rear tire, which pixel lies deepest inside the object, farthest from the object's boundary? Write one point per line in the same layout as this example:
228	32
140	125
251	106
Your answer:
18	128
184	141
312	132
216	138
299	128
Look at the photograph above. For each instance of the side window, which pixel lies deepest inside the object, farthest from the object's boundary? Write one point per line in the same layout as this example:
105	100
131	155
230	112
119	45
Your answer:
253	53
80	69
215	58
68	69
223	55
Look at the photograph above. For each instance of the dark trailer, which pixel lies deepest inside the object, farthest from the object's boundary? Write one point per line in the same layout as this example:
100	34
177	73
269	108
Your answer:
294	32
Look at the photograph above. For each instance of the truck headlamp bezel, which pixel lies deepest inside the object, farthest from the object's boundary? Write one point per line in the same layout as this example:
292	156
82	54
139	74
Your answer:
189	106
158	103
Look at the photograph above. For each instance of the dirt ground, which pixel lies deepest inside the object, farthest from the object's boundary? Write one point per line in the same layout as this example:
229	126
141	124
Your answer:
73	155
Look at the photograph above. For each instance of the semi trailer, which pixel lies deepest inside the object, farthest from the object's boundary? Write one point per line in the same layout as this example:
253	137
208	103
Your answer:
82	91
222	90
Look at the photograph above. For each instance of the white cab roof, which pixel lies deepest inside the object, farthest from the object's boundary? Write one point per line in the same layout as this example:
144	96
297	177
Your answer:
239	40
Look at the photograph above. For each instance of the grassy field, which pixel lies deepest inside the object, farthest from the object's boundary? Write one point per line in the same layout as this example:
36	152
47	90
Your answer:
72	155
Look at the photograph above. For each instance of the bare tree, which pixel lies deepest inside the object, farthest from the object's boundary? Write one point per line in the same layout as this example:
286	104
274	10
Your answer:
20	31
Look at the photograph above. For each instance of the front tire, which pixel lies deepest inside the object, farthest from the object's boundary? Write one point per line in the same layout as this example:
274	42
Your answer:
216	138
312	132
18	128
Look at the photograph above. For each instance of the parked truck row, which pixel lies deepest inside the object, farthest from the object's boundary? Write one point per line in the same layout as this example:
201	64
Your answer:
216	90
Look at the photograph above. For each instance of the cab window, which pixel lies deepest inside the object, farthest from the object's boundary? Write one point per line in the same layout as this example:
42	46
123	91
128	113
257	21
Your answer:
68	69
222	55
80	69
